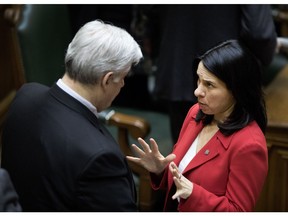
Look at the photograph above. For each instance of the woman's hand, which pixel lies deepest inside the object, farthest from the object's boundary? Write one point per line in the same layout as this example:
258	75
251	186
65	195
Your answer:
183	185
150	158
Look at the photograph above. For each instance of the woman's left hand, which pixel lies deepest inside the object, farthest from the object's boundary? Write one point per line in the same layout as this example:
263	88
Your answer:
183	185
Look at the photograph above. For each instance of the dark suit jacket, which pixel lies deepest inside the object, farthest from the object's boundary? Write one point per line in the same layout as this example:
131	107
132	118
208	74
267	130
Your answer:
190	30
60	156
8	196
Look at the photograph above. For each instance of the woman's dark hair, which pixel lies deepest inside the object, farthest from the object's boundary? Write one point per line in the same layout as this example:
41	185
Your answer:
241	71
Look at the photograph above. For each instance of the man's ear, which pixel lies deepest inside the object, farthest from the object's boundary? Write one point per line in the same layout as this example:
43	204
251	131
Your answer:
107	78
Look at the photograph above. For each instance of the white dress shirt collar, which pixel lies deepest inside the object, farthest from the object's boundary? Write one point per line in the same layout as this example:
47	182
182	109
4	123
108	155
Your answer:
78	97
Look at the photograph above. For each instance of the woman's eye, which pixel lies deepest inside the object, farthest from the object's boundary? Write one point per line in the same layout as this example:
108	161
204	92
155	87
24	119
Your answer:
209	84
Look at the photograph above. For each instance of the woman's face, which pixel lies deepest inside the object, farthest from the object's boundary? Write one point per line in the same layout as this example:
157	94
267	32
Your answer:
213	96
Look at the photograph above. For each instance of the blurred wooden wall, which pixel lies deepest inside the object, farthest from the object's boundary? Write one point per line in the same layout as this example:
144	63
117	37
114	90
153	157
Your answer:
274	197
11	69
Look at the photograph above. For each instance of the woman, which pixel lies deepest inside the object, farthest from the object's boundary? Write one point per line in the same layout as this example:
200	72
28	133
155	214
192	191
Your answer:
220	160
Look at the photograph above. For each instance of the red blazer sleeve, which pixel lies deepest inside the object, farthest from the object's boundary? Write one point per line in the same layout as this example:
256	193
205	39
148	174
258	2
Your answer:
160	182
248	167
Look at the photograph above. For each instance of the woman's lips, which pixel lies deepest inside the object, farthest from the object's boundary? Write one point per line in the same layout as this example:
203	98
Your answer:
201	105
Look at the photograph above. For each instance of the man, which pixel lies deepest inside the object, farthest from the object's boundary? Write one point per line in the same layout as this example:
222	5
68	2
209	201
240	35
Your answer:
60	156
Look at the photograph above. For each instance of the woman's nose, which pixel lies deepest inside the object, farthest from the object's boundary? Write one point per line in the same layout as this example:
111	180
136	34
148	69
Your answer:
199	92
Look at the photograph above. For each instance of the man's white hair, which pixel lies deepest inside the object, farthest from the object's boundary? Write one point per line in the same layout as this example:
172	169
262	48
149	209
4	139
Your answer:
98	48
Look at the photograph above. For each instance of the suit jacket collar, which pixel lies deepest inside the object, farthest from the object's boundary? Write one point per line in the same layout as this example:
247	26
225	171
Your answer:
72	103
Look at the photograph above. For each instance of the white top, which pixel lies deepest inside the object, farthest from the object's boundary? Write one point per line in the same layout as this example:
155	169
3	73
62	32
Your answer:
78	97
190	154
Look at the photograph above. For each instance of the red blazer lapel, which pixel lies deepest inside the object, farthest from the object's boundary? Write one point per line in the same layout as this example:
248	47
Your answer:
208	152
186	140
188	134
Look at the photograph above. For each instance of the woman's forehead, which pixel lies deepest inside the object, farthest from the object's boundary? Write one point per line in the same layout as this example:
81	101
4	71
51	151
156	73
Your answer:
203	72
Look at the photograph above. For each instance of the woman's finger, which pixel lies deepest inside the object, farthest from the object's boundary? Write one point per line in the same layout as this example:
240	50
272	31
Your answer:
154	146
170	158
137	150
177	193
176	174
144	145
134	159
174	166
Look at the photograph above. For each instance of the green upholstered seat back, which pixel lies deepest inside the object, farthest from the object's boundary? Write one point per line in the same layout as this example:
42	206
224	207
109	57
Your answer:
44	33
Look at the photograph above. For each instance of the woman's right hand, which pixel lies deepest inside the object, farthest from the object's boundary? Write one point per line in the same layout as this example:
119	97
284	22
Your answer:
150	158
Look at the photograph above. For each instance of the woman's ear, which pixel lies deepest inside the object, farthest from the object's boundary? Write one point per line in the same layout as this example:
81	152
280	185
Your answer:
106	79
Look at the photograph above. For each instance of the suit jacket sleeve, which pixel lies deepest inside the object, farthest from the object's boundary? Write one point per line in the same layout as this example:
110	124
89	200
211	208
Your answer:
8	196
104	185
258	31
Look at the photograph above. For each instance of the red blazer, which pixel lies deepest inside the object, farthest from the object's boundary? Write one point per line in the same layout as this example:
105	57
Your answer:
228	173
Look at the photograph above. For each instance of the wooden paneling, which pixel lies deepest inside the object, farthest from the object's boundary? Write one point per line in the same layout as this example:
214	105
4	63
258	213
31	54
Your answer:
11	68
280	15
274	196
